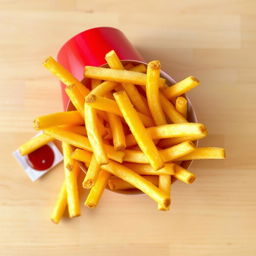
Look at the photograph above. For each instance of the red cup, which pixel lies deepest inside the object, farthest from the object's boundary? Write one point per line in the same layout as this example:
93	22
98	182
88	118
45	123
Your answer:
89	48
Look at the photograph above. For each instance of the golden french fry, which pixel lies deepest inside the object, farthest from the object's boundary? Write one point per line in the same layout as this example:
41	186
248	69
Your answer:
146	169
134	95
115	183
92	173
139	68
34	144
205	153
139	131
137	181
94	134
181	105
76	129
82	156
96	191
170	111
152	90
172	131
59	118
103	88
120	76
184	175
165	185
76	98
181	87
95	83
82	142
169	154
71	182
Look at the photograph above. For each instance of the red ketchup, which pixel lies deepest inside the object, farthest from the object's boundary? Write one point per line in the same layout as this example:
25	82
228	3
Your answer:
41	159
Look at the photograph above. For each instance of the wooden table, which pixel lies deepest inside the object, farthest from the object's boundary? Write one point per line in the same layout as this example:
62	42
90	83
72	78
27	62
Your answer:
214	40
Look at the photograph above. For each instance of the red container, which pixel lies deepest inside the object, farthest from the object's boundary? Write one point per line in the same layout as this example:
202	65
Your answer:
89	48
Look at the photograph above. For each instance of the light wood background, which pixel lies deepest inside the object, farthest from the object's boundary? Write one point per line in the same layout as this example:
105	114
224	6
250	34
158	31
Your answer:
214	40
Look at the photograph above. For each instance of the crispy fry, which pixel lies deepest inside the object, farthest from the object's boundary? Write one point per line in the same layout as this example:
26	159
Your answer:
76	98
59	118
64	75
146	169
82	142
169	154
184	175
95	83
120	76
170	111
92	173
35	143
205	153
152	90
181	105
71	182
115	183
140	133
134	95
137	181
111	106
139	68
96	191
94	134
172	131
103	88
181	87
164	185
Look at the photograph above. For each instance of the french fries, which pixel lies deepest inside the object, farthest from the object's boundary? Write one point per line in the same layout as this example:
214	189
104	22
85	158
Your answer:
129	129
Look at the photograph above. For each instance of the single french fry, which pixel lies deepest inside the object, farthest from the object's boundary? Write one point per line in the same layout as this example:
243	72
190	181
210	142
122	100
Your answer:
82	156
205	153
95	83
76	129
137	181
94	134
96	191
117	132
181	87
169	154
115	183
170	111
146	169
165	185
172	131
134	95
152	90
103	88
139	68
59	118
120	76
34	144
64	75
68	160
111	106
181	105
184	175
76	98
139	131
71	182
82	142
92	173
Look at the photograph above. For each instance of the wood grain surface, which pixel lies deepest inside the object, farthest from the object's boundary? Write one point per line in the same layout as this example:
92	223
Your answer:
214	40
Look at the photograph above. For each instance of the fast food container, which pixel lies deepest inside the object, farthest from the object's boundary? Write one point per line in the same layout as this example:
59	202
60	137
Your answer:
90	47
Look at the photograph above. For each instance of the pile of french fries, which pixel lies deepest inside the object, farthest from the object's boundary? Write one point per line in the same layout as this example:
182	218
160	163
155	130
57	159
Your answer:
129	128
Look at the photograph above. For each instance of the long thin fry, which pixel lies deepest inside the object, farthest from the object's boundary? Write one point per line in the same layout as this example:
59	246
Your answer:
181	87
76	98
205	153
184	175
103	88
94	134
172	131
139	131
83	156
34	143
115	183
76	129
134	95
92	173
165	185
82	142
181	105
121	76
60	118
152	90
96	191
169	154
137	181
64	75
71	182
